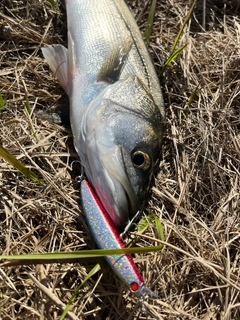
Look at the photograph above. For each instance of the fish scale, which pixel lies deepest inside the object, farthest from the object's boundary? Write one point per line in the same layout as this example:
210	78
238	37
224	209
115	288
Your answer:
98	26
116	104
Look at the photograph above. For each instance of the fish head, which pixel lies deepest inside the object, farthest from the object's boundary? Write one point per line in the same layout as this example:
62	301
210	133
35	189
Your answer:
122	133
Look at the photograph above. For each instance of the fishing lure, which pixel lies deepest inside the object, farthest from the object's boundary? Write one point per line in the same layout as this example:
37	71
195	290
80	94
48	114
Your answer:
107	237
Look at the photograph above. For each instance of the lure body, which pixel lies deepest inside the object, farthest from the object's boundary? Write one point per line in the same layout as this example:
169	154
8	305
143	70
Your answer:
107	237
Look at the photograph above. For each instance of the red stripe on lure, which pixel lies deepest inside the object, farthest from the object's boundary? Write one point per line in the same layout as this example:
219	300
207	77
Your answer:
107	237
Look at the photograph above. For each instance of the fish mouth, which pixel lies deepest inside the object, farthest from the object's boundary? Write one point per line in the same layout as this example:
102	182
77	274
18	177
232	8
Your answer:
117	194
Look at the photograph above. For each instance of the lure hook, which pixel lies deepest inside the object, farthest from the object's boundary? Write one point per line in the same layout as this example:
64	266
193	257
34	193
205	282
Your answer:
80	178
124	235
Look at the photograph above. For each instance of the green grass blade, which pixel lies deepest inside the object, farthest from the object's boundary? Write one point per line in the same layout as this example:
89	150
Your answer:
144	223
28	107
19	166
174	55
2	103
94	270
151	16
53	4
193	95
159	228
182	28
187	110
79	254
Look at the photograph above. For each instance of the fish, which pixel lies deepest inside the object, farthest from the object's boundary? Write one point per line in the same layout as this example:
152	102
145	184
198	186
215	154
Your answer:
117	111
106	236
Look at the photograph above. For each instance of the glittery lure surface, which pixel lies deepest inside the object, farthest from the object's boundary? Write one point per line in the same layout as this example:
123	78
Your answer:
107	237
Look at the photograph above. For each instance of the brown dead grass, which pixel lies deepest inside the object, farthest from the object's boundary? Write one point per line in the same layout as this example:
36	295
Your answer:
196	193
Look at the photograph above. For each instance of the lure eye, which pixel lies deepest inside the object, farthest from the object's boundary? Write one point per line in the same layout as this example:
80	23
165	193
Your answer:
134	286
141	160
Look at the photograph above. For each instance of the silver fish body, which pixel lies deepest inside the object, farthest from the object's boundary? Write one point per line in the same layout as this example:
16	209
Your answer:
116	105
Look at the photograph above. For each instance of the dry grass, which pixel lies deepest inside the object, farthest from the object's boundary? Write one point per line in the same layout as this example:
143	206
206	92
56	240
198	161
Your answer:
196	193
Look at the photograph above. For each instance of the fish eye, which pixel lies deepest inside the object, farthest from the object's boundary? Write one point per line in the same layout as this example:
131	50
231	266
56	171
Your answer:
141	160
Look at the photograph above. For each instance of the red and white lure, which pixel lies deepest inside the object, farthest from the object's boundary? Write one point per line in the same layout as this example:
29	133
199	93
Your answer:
107	237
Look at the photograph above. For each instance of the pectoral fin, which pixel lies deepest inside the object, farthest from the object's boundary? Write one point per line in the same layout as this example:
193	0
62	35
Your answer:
61	62
113	65
57	58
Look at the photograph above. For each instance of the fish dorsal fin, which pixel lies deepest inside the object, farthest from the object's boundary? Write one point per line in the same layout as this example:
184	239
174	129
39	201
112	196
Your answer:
113	65
61	62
